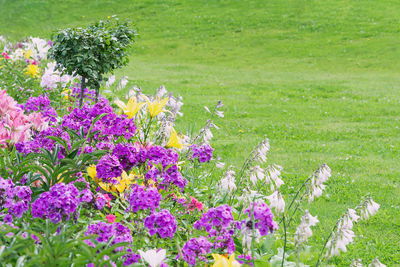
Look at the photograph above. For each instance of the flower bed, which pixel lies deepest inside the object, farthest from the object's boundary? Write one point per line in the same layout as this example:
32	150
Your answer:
114	183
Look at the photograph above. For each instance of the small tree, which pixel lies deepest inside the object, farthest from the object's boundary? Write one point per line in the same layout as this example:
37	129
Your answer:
93	51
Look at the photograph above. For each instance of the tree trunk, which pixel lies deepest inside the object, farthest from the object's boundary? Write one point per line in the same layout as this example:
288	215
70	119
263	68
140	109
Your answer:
83	85
97	93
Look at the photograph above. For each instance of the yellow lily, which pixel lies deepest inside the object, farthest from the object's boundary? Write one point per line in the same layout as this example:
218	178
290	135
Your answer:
28	54
222	261
174	140
156	107
131	108
91	171
32	70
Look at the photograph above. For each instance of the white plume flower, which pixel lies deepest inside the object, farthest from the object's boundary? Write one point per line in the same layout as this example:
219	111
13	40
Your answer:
110	81
256	173
276	201
370	208
122	83
303	231
227	183
261	151
357	263
161	91
272	176
316	185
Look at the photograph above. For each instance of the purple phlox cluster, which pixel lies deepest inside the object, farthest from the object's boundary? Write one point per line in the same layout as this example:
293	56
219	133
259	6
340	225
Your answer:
163	223
104	232
14	198
108	168
159	155
57	204
219	224
41	103
215	219
104	145
196	248
41	141
141	198
245	259
263	218
130	257
172	176
109	125
127	154
203	153
86	196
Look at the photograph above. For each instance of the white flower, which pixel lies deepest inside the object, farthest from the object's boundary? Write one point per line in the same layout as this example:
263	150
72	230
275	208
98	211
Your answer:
256	172
152	257
272	176
220	164
110	81
52	78
303	231
376	263
261	151
175	104
161	91
208	110
122	83
207	134
317	187
357	263
340	239
370	208
227	183
18	54
248	237
219	113
2	39
276	201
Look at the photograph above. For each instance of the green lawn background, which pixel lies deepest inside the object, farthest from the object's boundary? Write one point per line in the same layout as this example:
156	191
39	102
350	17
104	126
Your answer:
319	78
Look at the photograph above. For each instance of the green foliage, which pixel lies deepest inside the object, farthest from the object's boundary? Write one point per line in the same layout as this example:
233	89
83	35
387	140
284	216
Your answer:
93	51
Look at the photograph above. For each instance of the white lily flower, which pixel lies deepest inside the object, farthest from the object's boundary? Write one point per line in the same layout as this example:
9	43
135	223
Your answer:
152	257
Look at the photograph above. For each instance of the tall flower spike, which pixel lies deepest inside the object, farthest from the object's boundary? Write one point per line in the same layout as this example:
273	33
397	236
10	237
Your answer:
317	182
376	263
132	107
303	231
155	107
370	207
261	151
174	140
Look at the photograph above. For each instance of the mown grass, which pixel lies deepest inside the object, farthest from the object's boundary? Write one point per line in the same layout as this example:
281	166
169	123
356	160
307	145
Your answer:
319	78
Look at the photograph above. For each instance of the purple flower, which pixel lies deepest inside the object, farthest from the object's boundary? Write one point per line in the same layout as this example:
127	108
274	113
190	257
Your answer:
263	218
127	155
108	167
104	232
203	153
41	103
14	198
196	248
57	204
215	219
130	258
141	198
245	259
163	223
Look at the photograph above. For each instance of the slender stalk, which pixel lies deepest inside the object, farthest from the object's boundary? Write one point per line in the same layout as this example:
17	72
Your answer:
83	85
284	245
326	242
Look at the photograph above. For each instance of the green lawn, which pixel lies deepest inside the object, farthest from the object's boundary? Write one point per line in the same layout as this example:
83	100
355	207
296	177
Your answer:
319	78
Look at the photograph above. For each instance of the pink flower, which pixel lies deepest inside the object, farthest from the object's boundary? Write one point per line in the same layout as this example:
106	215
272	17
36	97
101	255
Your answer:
195	204
108	200
5	55
39	123
110	218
